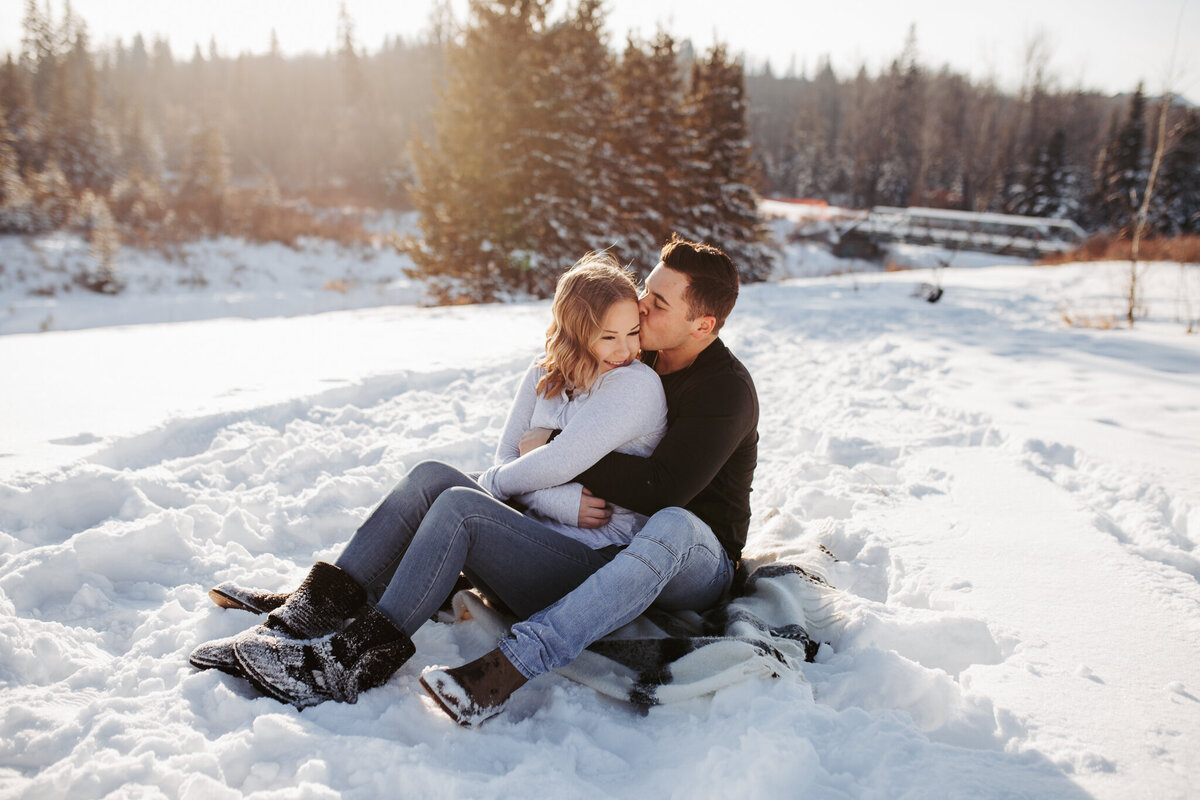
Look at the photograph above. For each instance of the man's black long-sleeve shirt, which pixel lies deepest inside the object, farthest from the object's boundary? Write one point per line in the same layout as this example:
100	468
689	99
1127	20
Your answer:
705	462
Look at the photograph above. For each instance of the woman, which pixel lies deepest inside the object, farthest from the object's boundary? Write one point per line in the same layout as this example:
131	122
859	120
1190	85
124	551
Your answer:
405	559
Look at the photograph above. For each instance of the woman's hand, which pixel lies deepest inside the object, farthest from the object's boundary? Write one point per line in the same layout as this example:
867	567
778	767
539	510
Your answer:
532	439
593	511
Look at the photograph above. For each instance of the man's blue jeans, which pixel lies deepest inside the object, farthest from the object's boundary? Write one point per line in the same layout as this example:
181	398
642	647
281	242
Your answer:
437	522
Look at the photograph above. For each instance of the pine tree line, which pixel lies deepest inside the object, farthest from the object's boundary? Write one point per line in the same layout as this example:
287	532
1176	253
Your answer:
912	136
181	148
593	147
546	145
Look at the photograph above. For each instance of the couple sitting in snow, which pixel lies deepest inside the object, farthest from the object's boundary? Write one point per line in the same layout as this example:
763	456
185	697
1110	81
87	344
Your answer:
635	480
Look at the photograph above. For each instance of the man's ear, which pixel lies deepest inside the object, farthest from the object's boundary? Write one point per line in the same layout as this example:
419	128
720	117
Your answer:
703	326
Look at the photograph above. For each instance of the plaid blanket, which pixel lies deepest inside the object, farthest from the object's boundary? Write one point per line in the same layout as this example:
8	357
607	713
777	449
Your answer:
767	629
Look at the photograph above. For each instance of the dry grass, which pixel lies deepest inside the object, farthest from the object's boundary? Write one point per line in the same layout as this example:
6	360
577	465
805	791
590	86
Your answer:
1103	322
246	213
1108	247
287	223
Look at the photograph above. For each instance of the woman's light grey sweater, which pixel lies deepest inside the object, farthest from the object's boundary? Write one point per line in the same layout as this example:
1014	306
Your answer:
625	411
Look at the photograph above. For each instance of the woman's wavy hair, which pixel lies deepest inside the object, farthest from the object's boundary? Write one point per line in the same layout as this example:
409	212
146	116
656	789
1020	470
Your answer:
582	297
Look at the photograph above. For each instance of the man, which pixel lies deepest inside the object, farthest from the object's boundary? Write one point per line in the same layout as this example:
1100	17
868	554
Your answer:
696	486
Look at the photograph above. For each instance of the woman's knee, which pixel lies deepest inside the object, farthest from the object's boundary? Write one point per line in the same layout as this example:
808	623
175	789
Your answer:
433	474
458	502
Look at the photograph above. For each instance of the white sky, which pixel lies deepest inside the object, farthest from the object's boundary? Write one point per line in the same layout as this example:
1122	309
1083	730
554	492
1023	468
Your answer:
1103	44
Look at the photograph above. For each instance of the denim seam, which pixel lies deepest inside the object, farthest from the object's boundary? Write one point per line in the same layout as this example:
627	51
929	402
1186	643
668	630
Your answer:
649	566
441	564
539	542
395	560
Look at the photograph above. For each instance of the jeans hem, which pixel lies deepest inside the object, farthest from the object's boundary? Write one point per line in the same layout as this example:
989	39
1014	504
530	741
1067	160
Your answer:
505	648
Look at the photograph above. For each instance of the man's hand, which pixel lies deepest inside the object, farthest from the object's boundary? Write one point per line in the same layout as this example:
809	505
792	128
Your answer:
593	511
533	438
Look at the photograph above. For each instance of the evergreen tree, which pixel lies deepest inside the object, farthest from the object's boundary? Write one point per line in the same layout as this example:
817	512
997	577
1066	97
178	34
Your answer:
96	222
39	52
353	81
472	186
725	209
1122	174
20	115
83	146
868	144
901	178
52	195
140	150
650	152
18	214
569	209
675	166
204	189
630	185
1048	187
140	206
1177	200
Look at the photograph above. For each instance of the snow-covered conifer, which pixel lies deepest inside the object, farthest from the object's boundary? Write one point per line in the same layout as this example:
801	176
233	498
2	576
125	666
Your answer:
205	185
724	209
96	221
1176	202
470	186
657	169
1121	178
18	213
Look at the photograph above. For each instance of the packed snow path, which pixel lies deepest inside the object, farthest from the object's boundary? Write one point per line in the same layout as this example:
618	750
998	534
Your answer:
1007	507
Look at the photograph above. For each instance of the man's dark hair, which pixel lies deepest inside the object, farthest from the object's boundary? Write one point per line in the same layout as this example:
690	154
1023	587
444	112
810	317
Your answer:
712	277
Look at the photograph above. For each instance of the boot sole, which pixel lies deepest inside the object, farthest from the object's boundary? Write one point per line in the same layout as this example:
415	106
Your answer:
429	690
224	666
226	600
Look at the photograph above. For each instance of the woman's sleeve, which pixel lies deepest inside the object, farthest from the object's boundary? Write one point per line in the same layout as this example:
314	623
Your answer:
627	404
559	503
519	415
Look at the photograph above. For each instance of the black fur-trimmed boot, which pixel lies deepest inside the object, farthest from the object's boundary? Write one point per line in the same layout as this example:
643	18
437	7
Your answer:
339	666
475	691
320	606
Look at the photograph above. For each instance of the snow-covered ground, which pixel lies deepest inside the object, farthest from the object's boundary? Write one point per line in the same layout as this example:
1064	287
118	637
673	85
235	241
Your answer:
1009	505
207	279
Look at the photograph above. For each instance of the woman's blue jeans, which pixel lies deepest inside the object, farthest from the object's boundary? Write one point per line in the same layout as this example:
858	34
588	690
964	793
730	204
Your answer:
438	522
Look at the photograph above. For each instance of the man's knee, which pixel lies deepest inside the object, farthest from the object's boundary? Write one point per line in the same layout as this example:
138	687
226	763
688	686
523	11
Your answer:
676	529
669	538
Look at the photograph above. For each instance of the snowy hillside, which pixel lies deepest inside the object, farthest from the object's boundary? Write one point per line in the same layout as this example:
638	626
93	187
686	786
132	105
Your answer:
1007	508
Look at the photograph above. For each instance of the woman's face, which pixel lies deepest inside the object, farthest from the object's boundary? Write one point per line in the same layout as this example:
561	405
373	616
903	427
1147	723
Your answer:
618	342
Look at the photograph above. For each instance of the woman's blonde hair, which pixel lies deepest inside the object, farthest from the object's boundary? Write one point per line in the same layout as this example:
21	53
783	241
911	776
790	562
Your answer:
582	297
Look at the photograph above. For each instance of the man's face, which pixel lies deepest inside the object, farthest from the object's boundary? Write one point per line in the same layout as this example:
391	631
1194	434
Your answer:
665	323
